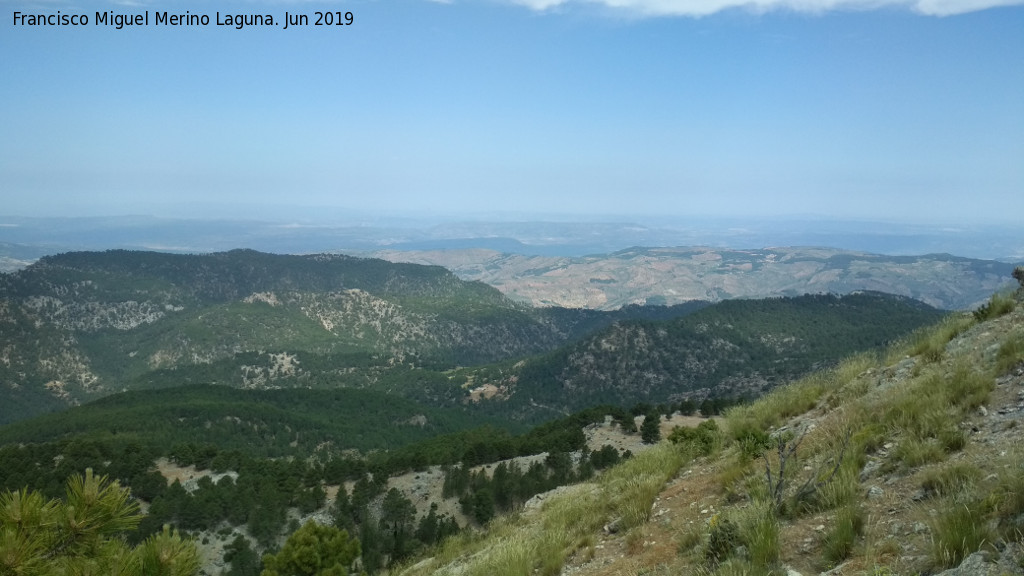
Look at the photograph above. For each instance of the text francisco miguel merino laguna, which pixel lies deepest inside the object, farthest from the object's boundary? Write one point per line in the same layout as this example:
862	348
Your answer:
239	21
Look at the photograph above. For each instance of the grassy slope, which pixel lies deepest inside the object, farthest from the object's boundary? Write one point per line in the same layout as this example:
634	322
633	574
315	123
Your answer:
899	421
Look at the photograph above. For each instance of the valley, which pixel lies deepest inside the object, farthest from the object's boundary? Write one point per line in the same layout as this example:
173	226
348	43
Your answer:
242	394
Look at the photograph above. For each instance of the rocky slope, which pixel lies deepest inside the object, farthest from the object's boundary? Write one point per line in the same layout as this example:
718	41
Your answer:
913	462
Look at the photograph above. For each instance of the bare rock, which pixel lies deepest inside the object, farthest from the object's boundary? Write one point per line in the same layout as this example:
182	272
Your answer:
1008	563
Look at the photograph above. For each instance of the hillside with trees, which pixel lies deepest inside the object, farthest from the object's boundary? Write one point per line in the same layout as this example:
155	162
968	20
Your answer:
898	463
731	349
78	326
283	444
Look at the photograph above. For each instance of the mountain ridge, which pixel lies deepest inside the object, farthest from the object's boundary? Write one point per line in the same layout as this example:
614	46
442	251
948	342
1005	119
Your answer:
677	274
80	325
735	348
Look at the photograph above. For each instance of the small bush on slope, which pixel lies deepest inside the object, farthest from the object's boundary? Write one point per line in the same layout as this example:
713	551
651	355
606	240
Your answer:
998	305
1010	354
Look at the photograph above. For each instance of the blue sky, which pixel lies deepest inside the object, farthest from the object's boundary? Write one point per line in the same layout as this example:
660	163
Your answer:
866	109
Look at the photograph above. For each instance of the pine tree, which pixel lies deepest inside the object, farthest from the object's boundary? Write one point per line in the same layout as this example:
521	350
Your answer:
243	559
397	516
650	430
427	531
83	534
313	550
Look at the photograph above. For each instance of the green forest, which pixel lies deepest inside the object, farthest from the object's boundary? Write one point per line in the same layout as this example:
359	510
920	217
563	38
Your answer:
285	379
79	326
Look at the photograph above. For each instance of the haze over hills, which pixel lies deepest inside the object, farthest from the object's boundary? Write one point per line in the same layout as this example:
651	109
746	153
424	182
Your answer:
674	275
289	230
325	284
598	264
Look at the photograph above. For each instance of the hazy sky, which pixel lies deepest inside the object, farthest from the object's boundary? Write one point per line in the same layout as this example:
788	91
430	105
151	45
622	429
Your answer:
865	108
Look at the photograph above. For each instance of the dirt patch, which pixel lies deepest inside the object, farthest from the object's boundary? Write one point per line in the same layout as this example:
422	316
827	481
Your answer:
182	474
425	487
484	392
608	433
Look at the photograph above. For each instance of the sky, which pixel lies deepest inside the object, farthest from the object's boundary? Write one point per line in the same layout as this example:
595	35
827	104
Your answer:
875	109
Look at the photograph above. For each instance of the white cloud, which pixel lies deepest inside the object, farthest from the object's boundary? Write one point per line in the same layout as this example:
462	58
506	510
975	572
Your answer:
707	7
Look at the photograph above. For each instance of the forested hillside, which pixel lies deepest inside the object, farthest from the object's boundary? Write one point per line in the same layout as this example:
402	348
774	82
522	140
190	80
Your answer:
896	463
264	423
82	326
237	393
731	349
79	326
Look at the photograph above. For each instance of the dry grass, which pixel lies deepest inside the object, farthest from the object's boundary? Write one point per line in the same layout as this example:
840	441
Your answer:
893	415
1010	354
930	343
518	545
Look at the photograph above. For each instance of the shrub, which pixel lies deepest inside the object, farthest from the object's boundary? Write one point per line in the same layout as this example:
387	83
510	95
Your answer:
754	443
913	452
950	480
753	530
1007	502
702	440
957	532
634	541
1010	354
842	490
968	388
870	438
688	540
760	531
839	541
723	539
734	476
998	305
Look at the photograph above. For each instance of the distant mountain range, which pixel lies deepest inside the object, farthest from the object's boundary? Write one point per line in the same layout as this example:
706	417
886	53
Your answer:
596	264
23	240
674	275
84	325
